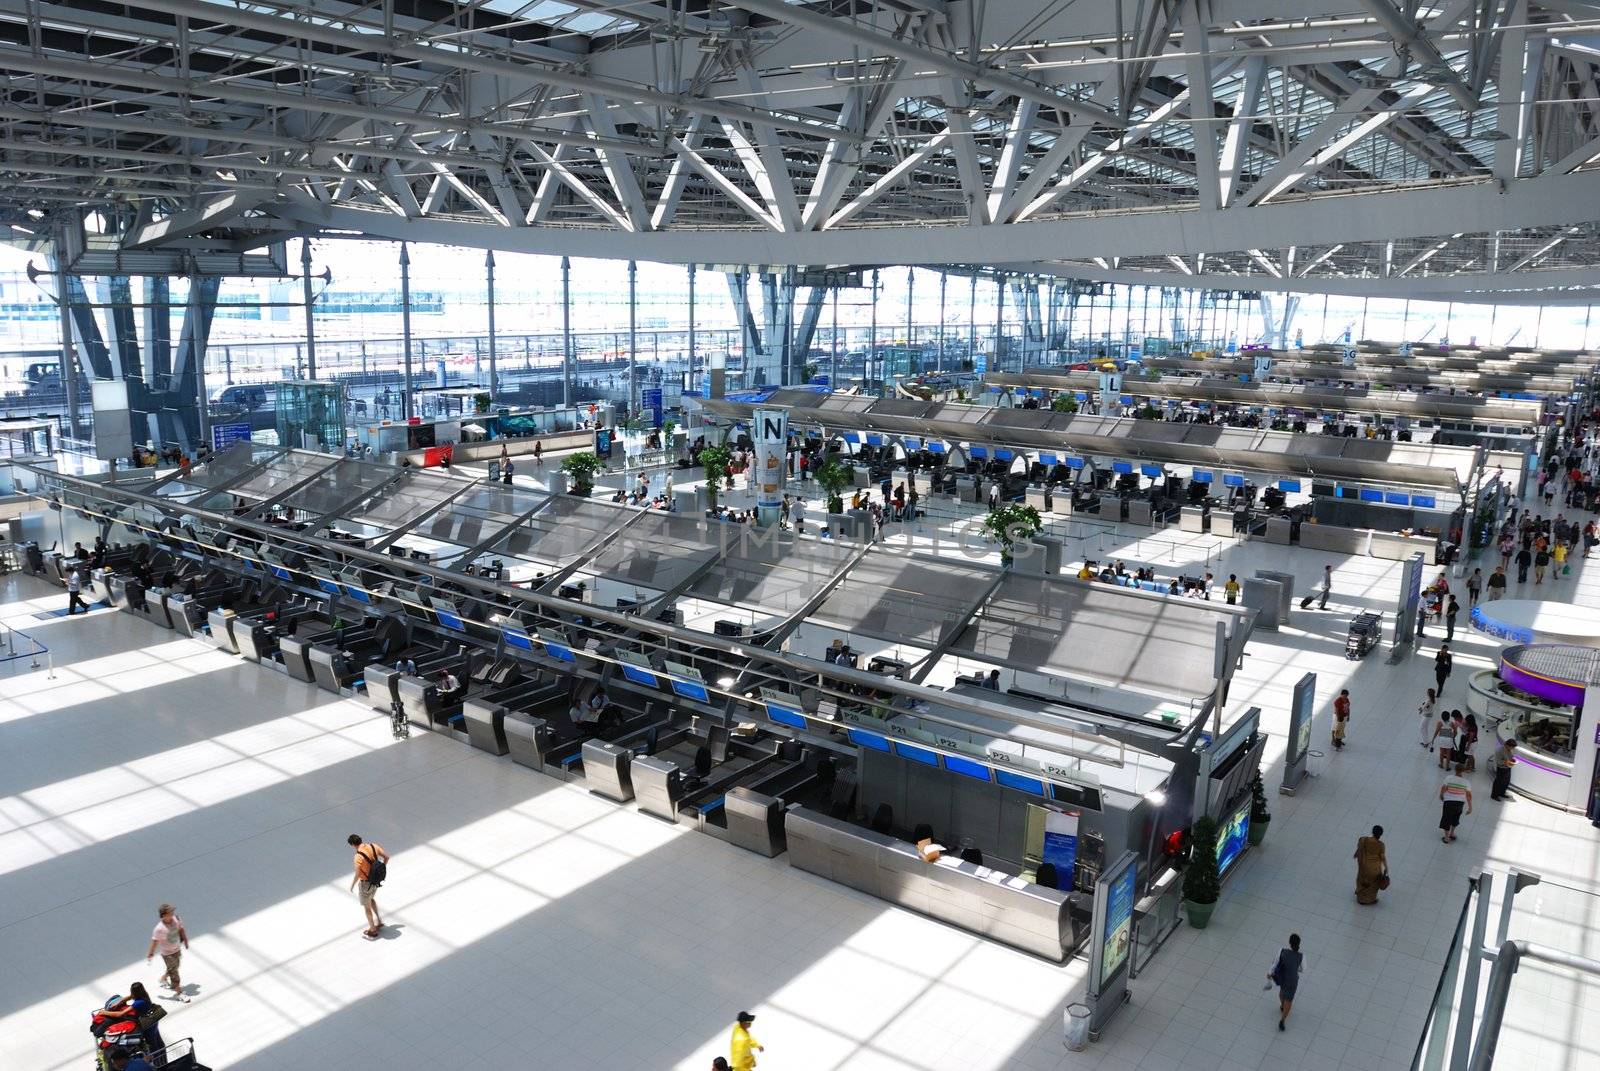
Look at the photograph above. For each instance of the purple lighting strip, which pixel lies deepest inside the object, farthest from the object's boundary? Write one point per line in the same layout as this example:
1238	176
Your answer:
1555	691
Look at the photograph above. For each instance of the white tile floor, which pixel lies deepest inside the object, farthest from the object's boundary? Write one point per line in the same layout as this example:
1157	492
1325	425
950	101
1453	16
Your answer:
535	925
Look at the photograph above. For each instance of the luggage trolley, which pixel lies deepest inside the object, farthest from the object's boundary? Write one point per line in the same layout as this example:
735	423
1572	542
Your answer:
1366	632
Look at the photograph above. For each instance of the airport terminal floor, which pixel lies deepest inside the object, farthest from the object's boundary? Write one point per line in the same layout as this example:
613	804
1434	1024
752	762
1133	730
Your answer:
531	923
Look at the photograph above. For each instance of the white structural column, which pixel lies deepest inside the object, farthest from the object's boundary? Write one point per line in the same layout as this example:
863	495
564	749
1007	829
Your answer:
1202	110
1244	112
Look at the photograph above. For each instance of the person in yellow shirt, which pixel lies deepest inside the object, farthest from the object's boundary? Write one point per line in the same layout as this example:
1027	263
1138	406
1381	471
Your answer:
742	1046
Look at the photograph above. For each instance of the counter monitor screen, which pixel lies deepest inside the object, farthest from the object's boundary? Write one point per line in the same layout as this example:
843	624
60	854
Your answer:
449	616
1031	785
517	638
966	767
636	668
862	738
556	647
917	754
686	682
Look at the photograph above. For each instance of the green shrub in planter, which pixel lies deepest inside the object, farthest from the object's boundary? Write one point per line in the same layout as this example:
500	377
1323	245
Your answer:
1202	885
580	469
1259	815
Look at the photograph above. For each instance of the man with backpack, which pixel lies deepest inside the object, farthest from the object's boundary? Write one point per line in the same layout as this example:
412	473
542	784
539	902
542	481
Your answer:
371	870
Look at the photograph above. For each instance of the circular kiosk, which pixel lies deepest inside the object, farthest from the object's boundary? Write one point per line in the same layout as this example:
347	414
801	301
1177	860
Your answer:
1547	696
1537	621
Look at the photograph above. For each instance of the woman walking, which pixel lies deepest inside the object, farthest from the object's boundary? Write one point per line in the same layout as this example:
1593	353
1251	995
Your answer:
1372	867
1443	662
1455	793
1428	711
1286	976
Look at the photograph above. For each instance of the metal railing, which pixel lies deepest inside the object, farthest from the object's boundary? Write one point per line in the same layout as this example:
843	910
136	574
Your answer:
1462	1028
31	650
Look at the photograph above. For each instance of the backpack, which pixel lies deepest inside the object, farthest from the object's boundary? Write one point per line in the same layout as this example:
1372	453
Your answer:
377	869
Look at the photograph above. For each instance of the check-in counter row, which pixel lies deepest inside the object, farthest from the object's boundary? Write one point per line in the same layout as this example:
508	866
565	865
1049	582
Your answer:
1392	546
1047	922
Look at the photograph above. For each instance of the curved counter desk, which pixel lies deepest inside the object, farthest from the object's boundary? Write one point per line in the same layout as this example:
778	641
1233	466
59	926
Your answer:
1537	621
1539	699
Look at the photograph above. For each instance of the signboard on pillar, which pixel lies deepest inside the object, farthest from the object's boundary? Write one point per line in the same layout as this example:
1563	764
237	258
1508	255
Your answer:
113	421
1261	367
225	435
1405	630
1301	708
1405	349
1348	357
650	399
770	433
1110	391
1111	940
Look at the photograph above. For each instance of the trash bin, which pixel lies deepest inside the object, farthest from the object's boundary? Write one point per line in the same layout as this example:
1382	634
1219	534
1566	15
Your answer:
1075	1027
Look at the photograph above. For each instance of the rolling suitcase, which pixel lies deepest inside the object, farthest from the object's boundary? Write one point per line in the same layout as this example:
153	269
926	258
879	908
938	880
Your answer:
1305	603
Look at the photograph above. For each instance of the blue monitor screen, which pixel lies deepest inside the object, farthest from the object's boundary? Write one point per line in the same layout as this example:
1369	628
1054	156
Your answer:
1151	471
1200	476
966	767
1007	779
936	448
1288	485
980	451
1074	462
874	440
639	676
1003	455
785	716
1423	501
1397	498
451	621
251	564
1370	495
280	572
1230	480
1049	459
559	652
690	690
917	754
519	640
1124	467
357	594
1079	395
851	437
862	738
1125	399
329	586
1231	840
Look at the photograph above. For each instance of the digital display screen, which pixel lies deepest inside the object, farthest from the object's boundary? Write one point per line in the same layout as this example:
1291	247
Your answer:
329	586
1397	498
784	716
1074	462
1424	501
1151	471
979	451
1048	459
1289	485
1370	495
357	594
1200	476
514	638
690	690
1123	467
1231	838
1117	937
1031	785
280	572
559	652
872	741
917	754
1229	480
640	676
1003	455
451	621
966	767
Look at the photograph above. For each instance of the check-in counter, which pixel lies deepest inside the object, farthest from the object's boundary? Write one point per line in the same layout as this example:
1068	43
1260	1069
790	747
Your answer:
116	588
657	785
381	681
966	489
1396	547
296	651
1280	530
755	821
1139	511
989	902
1335	538
1038	498
606	769
486	729
1194	519
187	614
220	622
861	476
526	737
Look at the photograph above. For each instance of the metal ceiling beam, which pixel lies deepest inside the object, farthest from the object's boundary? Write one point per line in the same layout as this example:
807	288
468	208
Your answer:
455	57
1414	36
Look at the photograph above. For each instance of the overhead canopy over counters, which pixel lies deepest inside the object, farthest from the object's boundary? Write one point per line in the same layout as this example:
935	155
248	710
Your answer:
777	574
1360	399
1273	453
1132	640
1486	383
916	601
1455	358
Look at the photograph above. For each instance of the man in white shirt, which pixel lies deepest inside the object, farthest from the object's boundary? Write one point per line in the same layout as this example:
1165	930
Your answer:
170	939
74	589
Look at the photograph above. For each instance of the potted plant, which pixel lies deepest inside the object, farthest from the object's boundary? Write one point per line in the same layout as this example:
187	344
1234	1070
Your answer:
1009	522
481	403
668	426
580	469
1202	885
715	460
1259	815
833	478
1064	403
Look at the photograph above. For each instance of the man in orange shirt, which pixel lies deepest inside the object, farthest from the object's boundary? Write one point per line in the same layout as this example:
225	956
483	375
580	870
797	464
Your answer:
371	868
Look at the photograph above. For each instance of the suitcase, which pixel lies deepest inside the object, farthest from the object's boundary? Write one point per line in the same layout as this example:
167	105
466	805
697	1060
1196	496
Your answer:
1305	603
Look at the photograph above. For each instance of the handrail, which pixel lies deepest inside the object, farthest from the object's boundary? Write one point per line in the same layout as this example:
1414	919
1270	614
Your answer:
1506	963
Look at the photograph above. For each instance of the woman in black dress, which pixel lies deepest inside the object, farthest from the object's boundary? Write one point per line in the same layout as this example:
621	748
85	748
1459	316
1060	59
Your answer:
1286	975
